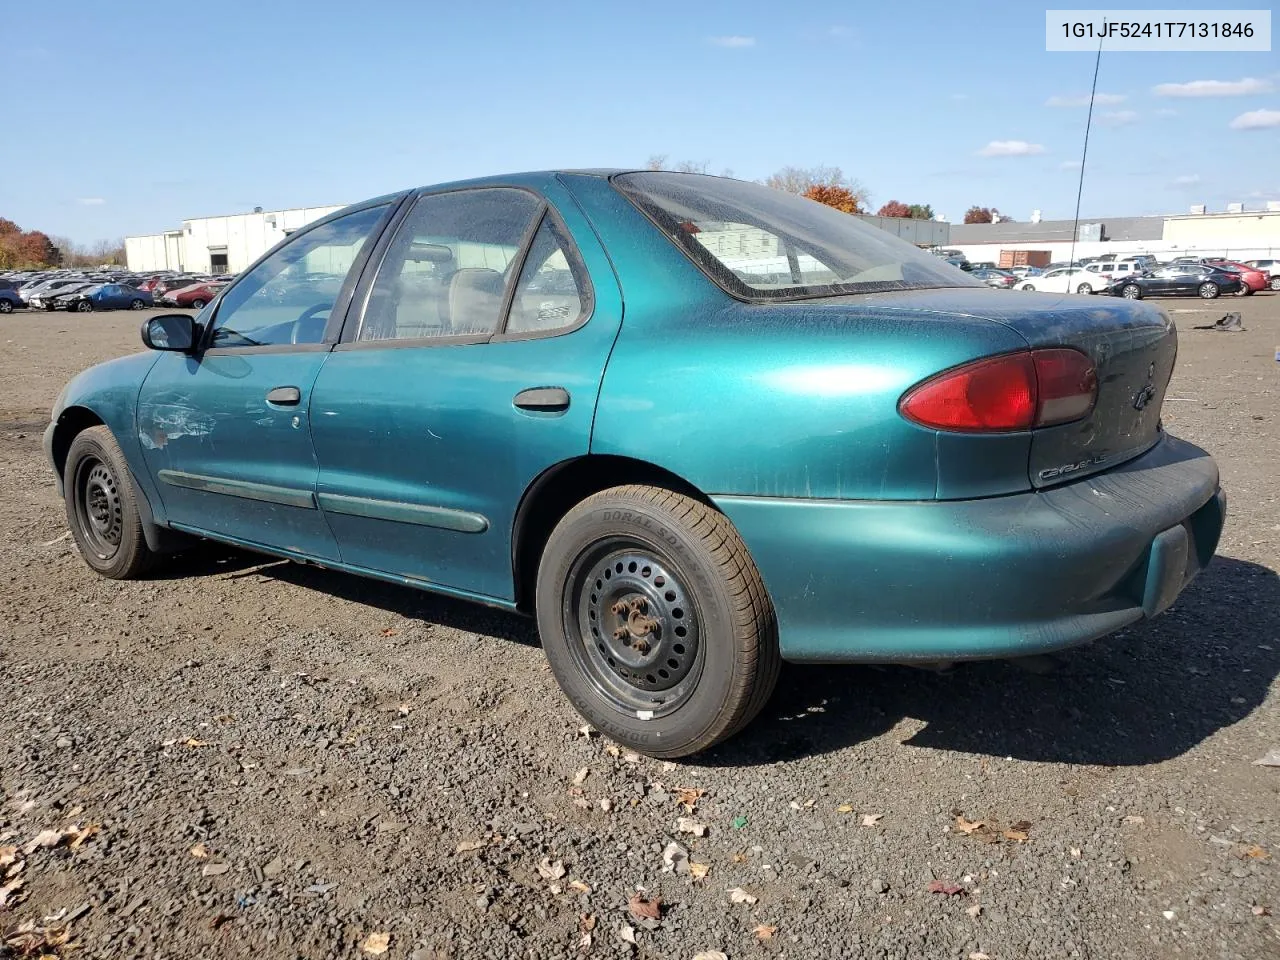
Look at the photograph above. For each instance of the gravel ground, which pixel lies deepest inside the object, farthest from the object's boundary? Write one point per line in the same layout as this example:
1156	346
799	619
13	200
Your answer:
283	762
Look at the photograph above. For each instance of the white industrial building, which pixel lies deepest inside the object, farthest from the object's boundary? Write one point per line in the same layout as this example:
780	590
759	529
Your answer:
1236	234
224	244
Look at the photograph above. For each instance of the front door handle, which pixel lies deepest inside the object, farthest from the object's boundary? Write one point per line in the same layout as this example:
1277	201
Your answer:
543	399
284	396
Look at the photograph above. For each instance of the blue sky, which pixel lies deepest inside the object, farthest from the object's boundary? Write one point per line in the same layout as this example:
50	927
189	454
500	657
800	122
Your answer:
121	120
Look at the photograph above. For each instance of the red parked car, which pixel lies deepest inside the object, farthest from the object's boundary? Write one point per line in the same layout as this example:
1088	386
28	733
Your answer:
1251	278
194	296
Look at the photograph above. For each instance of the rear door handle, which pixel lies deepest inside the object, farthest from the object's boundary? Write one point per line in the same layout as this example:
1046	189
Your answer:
543	399
284	396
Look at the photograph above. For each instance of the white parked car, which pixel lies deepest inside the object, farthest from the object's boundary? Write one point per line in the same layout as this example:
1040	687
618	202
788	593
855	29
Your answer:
1065	280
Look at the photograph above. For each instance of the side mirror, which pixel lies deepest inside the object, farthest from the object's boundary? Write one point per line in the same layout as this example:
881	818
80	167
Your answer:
170	331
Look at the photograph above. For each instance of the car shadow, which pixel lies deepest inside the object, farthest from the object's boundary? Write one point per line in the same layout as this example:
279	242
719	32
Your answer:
1146	694
1143	695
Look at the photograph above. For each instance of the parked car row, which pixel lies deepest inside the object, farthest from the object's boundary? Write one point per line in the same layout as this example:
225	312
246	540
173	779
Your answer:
84	291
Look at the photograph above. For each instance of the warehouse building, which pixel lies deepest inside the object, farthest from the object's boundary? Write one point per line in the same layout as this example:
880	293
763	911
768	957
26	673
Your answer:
1235	234
224	244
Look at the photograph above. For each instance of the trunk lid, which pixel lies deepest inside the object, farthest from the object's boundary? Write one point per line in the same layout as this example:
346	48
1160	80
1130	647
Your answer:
1133	345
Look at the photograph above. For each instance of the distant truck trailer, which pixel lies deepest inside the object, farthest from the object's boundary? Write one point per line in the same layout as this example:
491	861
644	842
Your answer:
1025	258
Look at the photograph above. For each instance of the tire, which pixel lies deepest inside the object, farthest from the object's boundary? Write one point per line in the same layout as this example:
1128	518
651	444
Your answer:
102	506
197	304
1208	290
1131	291
1027	286
136	305
84	306
1275	284
694	659
1084	288
6	306
1244	291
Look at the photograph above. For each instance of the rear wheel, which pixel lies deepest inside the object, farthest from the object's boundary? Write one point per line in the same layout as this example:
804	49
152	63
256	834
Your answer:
136	305
1275	284
84	306
1131	291
1244	291
197	304
6	306
655	620
1084	288
102	506
1027	286
1208	290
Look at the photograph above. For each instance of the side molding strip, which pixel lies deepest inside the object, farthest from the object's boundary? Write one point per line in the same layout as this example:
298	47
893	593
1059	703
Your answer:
400	512
288	496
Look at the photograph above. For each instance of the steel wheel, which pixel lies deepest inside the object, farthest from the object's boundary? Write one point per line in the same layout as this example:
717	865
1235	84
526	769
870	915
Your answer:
99	514
633	627
84	306
1131	291
1208	290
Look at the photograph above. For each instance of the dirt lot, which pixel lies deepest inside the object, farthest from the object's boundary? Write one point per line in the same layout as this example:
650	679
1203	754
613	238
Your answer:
282	762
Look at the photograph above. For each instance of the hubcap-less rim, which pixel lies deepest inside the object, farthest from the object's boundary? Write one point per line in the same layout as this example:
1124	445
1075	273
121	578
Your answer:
98	508
633	628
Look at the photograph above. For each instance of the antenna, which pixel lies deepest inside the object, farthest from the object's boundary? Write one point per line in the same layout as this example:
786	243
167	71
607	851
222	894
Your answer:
1088	125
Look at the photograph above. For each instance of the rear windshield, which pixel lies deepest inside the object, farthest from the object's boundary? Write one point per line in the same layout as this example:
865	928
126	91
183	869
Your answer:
762	244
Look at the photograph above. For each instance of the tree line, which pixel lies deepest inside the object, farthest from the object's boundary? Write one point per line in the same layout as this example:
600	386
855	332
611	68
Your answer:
33	250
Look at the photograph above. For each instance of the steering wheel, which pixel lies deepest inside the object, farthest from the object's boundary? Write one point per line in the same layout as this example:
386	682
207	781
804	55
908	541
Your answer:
300	325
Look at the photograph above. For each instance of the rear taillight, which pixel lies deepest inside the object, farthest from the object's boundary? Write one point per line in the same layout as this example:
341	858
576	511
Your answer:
1015	391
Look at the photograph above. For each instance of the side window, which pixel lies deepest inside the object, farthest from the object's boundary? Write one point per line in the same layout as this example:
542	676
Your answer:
553	290
447	271
287	297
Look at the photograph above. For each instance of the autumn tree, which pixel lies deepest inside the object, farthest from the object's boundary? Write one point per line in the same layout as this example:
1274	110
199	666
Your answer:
813	182
977	215
8	227
839	198
894	208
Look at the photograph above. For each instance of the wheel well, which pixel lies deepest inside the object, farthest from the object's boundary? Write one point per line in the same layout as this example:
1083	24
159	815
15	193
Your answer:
71	422
557	490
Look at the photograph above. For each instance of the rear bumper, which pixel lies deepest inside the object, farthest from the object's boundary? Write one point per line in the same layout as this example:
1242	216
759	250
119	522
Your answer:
881	581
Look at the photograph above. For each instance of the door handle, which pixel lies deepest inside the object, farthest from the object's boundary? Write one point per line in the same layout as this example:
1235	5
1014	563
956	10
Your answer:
284	396
543	399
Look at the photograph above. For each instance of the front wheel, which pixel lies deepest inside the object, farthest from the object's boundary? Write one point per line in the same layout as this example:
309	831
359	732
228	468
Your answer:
136	305
102	506
84	306
1275	284
6	306
655	620
197	304
1027	286
1084	288
1208	291
1131	291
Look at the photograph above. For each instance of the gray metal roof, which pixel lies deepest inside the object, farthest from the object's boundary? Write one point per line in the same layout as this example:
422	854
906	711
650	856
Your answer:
1114	228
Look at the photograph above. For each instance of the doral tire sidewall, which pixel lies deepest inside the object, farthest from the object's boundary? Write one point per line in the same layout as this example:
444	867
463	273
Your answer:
720	672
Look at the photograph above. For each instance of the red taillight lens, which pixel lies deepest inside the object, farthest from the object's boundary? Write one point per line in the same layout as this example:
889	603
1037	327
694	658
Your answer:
1016	391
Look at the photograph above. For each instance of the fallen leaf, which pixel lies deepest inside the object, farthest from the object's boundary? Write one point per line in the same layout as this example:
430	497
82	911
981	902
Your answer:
550	871
584	942
689	825
975	911
740	822
1269	759
1075	853
1260	911
739	858
738	895
630	756
764	931
8	855
193	742
8	893
794	805
80	836
978	956
45	838
688	797
587	922
944	888
643	908
218	919
200	851
376	944
871	819
968	826
845	808
627	934
389	631
1134	819
580	777
466	846
1017	836
698	871
612	750
579	886
710	955
1254	852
